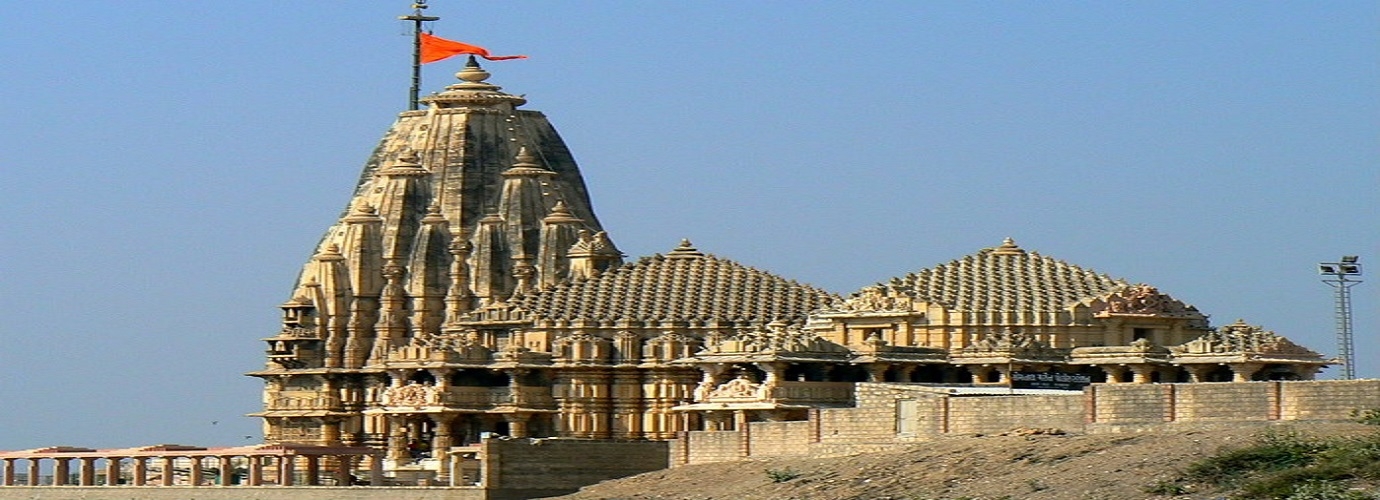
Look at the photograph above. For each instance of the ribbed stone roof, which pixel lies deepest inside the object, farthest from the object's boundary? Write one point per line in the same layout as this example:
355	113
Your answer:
684	285
1005	278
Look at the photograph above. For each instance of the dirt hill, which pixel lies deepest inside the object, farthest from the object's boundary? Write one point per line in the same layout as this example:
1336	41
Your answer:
1027	464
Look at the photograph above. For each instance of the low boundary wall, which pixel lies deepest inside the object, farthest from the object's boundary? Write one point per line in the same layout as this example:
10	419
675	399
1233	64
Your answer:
889	413
239	493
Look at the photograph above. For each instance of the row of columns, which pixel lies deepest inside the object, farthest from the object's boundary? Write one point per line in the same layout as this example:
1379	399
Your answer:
140	470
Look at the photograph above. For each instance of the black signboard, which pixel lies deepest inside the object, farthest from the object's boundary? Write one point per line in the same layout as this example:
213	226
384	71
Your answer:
1050	380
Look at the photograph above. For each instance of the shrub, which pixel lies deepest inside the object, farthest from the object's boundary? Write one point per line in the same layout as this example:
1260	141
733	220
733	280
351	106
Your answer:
1274	450
1368	417
782	475
1167	488
1326	490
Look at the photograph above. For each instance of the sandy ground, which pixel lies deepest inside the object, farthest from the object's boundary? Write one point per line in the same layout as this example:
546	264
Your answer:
1030	464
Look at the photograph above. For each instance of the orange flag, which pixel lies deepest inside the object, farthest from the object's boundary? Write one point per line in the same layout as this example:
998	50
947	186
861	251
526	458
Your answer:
435	48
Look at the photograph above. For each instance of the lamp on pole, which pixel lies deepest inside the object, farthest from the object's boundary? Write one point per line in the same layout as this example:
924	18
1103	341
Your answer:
1338	275
417	19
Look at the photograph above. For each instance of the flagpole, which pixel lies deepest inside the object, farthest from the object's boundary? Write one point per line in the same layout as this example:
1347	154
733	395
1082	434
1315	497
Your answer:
417	18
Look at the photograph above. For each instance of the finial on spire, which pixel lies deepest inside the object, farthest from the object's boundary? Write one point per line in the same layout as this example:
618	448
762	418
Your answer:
1008	247
685	250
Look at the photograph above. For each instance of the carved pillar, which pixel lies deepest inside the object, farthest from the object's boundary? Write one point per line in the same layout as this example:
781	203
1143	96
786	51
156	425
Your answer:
740	424
626	404
61	471
194	469
256	471
584	403
515	395
140	471
1141	373
313	470
375	470
286	470
342	470
876	372
330	431
168	471
904	372
1197	373
397	438
443	439
227	470
1241	372
7	479
1003	373
87	472
1308	372
34	471
1114	373
112	470
517	424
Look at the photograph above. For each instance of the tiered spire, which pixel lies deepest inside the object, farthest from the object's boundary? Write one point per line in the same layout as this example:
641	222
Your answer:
469	199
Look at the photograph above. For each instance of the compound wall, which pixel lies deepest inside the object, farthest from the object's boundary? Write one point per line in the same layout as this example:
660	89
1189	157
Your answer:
889	413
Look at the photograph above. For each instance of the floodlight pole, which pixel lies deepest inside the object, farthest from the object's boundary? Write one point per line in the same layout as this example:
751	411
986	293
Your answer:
1336	275
417	18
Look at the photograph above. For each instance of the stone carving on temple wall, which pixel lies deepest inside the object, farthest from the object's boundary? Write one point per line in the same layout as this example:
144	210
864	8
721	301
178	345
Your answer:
873	299
741	387
1141	345
776	337
1240	337
412	394
461	346
298	332
1145	300
1004	340
1010	342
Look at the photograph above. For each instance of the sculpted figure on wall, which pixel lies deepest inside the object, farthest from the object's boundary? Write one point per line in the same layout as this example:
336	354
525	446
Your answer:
1005	340
1240	337
412	394
873	299
741	387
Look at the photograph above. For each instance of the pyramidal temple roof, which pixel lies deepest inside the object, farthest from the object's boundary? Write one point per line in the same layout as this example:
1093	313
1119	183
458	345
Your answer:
1005	278
683	285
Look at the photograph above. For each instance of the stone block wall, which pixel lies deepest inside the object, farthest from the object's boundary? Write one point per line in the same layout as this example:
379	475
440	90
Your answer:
872	420
1127	404
1222	402
709	446
889	414
995	414
780	438
240	493
532	468
1312	401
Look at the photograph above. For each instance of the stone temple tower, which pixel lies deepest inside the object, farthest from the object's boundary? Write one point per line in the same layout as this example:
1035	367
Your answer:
464	204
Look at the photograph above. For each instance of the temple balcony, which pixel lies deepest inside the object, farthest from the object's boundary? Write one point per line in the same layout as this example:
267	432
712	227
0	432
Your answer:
740	393
488	397
812	393
321	402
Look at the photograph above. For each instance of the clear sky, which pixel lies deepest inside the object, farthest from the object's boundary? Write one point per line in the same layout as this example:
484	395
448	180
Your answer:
171	163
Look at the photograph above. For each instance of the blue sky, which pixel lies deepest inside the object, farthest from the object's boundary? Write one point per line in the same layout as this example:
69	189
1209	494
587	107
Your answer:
171	164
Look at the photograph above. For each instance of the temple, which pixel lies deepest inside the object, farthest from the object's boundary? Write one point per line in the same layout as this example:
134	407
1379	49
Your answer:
469	290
